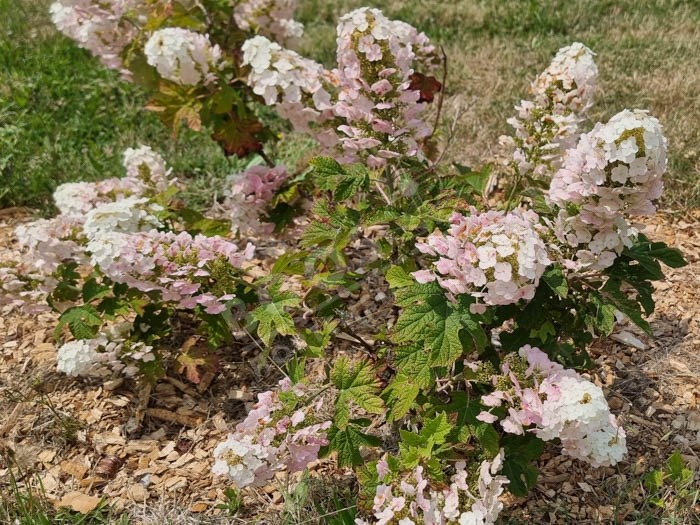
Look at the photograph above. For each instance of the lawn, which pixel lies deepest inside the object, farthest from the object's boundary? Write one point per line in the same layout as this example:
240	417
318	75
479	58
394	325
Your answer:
64	117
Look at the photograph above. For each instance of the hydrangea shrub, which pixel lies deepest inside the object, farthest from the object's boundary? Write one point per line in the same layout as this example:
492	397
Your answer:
438	414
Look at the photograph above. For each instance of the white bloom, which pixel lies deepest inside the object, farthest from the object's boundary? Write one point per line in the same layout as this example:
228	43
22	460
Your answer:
147	166
270	18
77	358
182	56
615	172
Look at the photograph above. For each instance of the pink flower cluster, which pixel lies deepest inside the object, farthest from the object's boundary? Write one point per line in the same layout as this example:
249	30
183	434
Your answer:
279	433
249	194
177	266
548	125
615	172
27	275
365	108
383	117
558	403
411	501
493	256
270	18
101	27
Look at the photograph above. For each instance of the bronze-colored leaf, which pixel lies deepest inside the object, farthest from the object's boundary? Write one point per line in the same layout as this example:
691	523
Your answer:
427	85
237	136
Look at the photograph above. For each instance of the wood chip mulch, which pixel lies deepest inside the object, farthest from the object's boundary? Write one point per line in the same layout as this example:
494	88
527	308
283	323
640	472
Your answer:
79	439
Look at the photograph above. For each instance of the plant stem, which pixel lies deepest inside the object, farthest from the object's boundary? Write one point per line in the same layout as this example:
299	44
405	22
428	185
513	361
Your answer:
267	159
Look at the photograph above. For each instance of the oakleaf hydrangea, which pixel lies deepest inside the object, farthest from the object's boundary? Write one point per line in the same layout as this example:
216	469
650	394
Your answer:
281	432
101	27
270	18
556	403
413	500
614	173
549	124
249	193
496	257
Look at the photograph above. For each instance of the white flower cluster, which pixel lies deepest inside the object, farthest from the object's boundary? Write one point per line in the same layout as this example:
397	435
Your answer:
107	227
183	56
548	125
495	257
298	86
146	175
272	438
147	166
27	275
94	218
367	108
561	405
109	353
77	358
411	501
569	83
270	18
49	242
101	27
615	172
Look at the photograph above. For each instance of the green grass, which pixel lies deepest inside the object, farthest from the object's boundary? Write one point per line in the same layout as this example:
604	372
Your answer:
64	117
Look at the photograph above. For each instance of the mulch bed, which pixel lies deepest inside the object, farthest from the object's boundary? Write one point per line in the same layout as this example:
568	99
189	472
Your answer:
144	448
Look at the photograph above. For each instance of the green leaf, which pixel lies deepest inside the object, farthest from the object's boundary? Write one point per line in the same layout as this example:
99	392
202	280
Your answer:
290	263
676	466
83	322
654	480
318	341
603	317
414	362
447	345
669	256
93	290
522	476
435	430
357	178
428	316
319	233
380	216
356	382
397	277
475	179
326	171
342	181
347	442
613	294
520	452
488	438
272	317
555	279
400	395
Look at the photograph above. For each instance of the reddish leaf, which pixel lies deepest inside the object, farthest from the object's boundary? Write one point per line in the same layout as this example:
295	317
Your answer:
427	86
196	362
237	136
